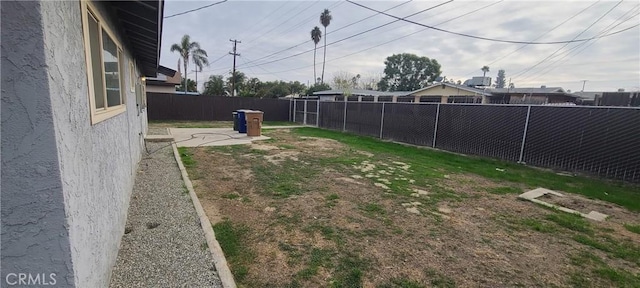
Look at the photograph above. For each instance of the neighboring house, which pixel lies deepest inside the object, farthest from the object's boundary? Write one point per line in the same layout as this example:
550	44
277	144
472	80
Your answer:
165	82
450	93
440	93
619	98
356	95
73	125
542	95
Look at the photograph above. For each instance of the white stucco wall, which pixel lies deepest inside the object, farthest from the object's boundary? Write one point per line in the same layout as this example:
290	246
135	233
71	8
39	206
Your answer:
35	238
161	89
97	162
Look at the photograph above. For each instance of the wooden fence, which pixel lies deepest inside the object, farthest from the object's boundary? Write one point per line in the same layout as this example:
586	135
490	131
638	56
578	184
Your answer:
163	106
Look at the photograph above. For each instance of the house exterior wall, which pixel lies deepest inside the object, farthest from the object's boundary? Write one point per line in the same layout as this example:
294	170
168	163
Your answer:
66	184
35	238
98	162
161	89
447	91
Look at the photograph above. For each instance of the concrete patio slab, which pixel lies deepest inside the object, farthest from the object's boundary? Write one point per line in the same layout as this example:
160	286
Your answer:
535	193
197	137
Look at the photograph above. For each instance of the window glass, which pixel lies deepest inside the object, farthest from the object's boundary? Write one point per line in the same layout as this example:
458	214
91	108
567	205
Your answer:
94	43
111	70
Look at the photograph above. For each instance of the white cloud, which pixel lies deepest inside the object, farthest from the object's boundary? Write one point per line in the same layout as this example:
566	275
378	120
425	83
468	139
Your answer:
265	27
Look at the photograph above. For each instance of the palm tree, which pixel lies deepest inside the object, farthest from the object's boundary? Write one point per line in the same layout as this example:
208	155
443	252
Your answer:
484	69
187	48
199	62
325	20
316	34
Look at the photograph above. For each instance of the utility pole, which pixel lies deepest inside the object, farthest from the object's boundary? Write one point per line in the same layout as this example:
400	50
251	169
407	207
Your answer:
233	74
583	83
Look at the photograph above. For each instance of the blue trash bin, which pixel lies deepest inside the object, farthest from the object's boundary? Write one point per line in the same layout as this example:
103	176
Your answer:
242	122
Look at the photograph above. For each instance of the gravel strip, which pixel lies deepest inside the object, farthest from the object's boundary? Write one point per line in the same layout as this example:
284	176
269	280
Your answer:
163	245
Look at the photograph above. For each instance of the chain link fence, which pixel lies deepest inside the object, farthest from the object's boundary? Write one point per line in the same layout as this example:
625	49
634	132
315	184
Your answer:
602	141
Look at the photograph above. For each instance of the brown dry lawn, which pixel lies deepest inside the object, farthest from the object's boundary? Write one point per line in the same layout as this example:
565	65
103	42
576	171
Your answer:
299	211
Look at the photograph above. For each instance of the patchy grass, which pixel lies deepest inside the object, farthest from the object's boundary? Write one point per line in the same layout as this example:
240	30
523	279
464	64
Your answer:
620	278
626	250
332	199
633	228
187	157
539	225
504	190
571	222
439	280
231	196
315	218
401	282
232	241
436	163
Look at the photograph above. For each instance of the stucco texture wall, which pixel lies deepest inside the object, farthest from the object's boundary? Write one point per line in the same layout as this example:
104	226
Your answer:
97	162
34	226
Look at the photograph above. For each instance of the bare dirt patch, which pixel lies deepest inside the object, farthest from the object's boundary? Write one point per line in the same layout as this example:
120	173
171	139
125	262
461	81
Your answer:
334	217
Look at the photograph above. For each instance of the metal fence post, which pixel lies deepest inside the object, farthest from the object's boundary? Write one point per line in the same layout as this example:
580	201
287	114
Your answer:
435	129
304	121
344	119
290	104
382	120
524	134
318	114
294	110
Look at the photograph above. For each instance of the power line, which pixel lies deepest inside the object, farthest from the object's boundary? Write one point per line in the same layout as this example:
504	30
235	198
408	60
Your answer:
486	38
395	39
349	37
264	18
583	45
304	42
542	35
283	22
193	10
522	72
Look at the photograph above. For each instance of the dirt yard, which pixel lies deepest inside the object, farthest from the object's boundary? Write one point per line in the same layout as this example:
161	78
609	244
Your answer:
298	211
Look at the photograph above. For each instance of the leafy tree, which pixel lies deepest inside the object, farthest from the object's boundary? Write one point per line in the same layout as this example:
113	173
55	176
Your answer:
484	69
188	49
214	86
316	34
191	86
501	79
251	88
345	81
239	81
297	87
408	72
318	87
325	20
512	85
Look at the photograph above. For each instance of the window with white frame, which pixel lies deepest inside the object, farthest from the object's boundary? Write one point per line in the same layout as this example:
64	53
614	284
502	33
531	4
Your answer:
105	66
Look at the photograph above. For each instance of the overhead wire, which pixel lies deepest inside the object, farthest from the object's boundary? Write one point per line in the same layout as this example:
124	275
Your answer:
398	38
282	23
487	38
541	35
351	36
330	32
194	10
261	20
524	71
584	45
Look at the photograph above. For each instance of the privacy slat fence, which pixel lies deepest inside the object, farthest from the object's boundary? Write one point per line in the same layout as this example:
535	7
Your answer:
603	141
212	108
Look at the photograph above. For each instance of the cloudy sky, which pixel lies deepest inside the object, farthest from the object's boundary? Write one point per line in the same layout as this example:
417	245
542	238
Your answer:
274	32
